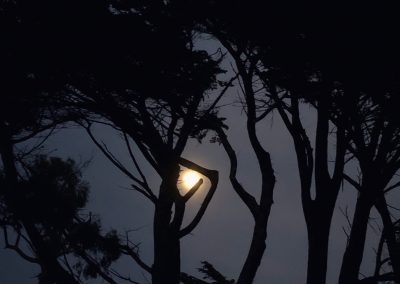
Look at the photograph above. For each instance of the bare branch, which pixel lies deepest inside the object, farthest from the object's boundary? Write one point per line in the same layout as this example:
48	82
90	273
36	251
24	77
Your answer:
118	275
192	191
133	253
227	86
355	184
103	148
397	184
144	180
375	279
16	247
133	158
378	261
213	177
247	198
97	267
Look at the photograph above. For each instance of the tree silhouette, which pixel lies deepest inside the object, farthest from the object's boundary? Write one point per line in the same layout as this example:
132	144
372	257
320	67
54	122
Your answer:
316	72
41	198
253	49
137	67
304	63
46	205
375	145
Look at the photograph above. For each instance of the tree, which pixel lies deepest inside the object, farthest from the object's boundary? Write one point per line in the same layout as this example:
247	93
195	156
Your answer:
375	145
157	110
345	96
252	48
136	67
315	73
303	63
151	95
40	203
41	198
260	210
44	213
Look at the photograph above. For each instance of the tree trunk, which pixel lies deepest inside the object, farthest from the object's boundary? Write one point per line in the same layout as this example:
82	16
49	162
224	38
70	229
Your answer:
166	266
255	254
318	214
355	248
318	239
390	236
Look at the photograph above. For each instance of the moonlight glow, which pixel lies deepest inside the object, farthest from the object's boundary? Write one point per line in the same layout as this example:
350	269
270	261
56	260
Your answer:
189	179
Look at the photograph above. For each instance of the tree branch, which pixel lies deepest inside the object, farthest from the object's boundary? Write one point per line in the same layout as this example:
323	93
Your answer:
213	177
247	198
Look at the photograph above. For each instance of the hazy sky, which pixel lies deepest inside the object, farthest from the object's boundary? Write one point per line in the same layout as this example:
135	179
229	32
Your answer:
223	235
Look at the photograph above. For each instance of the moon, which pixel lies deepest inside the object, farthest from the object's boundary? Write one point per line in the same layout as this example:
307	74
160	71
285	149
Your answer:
190	178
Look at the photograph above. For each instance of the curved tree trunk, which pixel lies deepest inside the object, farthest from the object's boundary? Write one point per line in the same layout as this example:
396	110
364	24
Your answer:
255	254
355	248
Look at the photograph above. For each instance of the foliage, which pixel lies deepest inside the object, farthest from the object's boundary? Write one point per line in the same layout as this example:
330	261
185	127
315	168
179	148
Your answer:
137	66
51	197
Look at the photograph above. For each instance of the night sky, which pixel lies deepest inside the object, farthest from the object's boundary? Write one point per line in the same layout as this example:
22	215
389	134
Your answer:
223	235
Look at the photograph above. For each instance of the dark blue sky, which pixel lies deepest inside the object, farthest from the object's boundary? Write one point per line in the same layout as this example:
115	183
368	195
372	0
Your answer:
224	233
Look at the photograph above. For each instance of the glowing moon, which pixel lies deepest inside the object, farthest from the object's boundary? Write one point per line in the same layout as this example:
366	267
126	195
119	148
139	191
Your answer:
190	178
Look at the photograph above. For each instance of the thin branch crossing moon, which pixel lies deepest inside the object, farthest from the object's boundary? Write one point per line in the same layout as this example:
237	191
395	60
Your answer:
189	179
